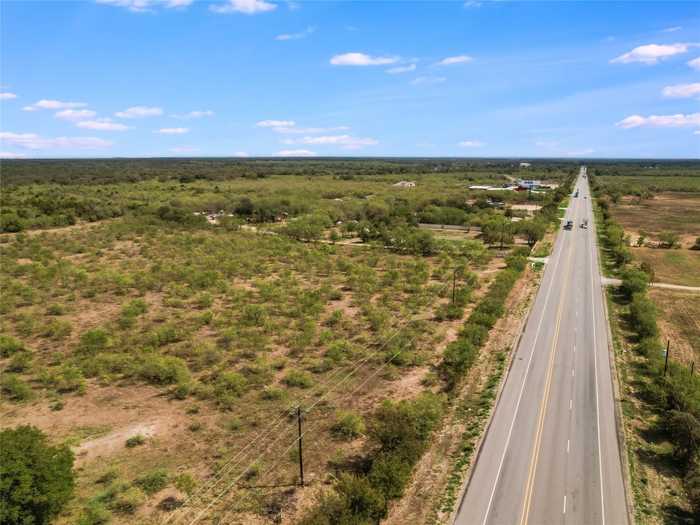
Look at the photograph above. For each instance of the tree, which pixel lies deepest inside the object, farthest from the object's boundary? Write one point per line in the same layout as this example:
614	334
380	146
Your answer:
634	281
668	239
696	246
648	269
36	479
532	230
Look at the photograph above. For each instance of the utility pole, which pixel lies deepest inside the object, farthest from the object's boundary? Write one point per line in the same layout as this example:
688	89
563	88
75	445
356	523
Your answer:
454	282
301	450
668	347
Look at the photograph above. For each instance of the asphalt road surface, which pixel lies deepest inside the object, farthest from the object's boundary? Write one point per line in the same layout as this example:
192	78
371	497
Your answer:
551	453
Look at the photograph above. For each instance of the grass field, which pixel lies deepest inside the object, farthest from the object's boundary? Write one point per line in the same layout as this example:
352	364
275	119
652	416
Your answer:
671	266
679	314
677	213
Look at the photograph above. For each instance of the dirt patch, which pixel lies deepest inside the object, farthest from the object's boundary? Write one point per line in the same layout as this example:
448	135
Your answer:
126	412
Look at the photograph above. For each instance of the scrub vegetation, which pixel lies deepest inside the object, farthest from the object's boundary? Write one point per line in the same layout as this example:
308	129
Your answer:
156	318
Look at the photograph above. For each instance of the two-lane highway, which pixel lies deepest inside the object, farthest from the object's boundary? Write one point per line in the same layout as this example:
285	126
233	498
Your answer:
551	453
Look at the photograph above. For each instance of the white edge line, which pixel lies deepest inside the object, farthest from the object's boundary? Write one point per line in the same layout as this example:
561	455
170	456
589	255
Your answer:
595	373
522	389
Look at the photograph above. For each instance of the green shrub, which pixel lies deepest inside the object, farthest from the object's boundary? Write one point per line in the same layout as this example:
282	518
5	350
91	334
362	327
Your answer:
184	483
347	426
228	387
153	481
643	315
634	281
128	501
19	362
57	329
164	370
66	378
56	309
135	441
298	378
95	514
37	479
14	388
9	346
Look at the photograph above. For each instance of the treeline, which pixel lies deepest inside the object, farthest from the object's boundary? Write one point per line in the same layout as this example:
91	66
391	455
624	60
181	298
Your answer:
107	171
675	393
461	353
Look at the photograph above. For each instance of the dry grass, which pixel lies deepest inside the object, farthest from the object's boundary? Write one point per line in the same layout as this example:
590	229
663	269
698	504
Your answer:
679	315
678	213
672	266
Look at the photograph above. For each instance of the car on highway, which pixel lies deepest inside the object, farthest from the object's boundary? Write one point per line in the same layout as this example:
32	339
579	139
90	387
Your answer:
584	224
569	225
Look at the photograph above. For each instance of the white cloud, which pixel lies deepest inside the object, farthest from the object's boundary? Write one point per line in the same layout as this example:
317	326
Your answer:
682	90
695	63
459	59
34	141
295	153
102	124
247	7
172	131
471	144
697	132
195	114
652	53
142	6
54	104
75	114
424	81
311	131
472	4
671	29
345	141
139	112
401	69
7	96
296	36
361	59
11	155
241	154
275	124
666	121
184	149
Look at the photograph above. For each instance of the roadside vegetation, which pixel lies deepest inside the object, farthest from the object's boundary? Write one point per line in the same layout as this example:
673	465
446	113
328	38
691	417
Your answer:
661	398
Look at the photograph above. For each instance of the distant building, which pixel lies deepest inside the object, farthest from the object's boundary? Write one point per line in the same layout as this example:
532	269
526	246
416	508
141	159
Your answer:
529	184
405	184
525	164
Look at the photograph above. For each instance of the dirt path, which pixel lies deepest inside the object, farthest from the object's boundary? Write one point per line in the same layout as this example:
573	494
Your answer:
609	281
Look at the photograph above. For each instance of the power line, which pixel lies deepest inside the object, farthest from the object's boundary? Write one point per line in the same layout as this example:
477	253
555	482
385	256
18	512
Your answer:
240	457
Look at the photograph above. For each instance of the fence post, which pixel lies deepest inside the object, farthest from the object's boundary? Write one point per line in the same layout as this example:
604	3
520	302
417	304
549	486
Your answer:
668	347
301	450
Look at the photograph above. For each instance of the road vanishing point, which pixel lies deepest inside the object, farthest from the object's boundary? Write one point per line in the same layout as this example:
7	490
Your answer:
551	453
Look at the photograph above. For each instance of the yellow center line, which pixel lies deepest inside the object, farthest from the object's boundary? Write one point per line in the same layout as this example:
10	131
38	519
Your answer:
545	398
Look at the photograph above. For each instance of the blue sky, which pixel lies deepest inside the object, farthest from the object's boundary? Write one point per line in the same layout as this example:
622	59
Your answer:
261	78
